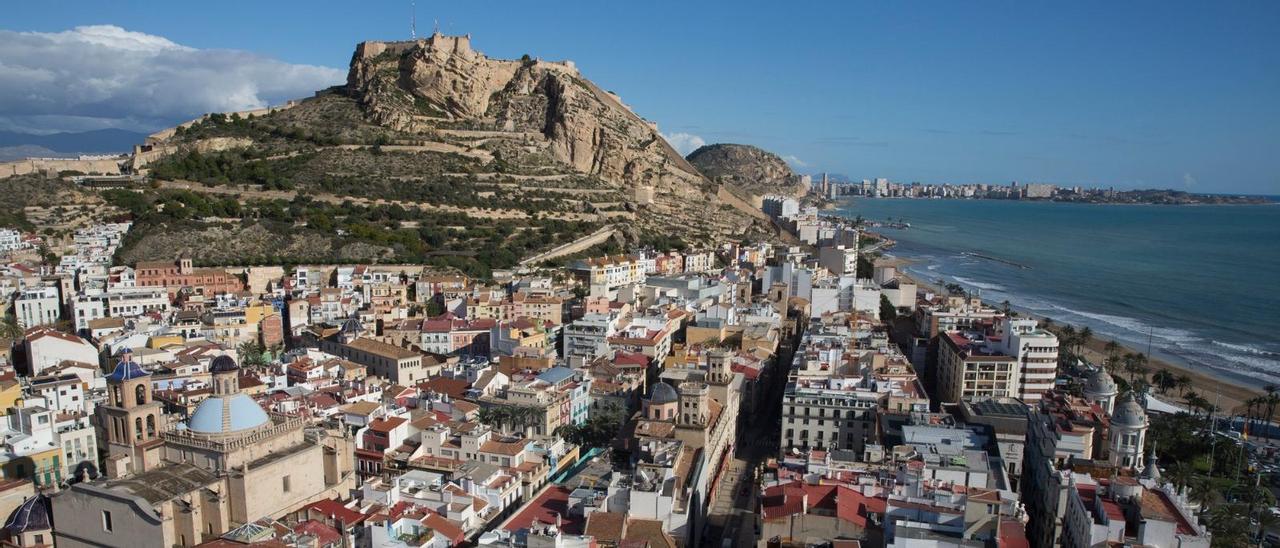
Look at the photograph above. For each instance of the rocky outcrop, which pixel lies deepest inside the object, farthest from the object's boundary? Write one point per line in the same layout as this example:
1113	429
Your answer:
419	86
748	169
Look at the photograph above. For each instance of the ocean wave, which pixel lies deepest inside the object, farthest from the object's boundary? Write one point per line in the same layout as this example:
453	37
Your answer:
1136	326
979	285
1246	349
1233	362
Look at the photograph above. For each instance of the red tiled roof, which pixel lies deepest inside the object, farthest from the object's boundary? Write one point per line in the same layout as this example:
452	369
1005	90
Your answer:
386	424
334	510
455	388
1013	535
544	509
445	527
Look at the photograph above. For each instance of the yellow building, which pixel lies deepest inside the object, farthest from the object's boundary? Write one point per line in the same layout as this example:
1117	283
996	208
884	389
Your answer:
10	394
44	467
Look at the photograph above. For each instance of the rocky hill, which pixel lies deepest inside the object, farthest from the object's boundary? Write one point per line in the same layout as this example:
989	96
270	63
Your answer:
749	170
431	152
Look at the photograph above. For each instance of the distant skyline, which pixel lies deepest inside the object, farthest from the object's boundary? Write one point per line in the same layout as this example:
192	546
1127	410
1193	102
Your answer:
1175	95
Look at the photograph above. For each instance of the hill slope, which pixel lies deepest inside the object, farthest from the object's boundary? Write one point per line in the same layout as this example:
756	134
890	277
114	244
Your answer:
747	169
431	152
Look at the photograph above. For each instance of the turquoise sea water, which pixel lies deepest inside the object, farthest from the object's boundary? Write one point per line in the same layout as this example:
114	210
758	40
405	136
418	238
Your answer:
1201	282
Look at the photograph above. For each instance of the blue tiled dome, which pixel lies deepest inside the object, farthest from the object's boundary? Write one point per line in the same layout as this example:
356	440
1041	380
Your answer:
227	414
31	515
663	393
125	370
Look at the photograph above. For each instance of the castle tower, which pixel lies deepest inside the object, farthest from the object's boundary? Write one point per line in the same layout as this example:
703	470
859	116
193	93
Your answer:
693	404
1128	434
131	420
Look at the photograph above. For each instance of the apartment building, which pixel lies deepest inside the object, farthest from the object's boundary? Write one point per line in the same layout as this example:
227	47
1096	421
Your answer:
971	370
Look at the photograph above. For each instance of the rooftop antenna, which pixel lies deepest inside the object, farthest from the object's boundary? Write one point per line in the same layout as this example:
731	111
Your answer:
413	19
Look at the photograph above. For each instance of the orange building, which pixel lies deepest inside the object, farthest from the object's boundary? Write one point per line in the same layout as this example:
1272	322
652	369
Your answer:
179	274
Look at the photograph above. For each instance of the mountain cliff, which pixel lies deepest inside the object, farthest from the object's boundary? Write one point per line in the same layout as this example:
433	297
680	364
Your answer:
749	170
442	82
528	149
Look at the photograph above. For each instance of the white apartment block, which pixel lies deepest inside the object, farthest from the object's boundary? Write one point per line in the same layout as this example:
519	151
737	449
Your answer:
1036	353
839	260
37	306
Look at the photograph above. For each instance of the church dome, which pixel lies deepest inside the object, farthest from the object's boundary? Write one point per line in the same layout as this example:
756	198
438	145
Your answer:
223	364
126	369
663	393
1129	413
32	515
227	415
1099	383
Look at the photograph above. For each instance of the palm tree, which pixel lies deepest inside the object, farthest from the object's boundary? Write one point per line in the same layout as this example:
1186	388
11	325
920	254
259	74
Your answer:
1184	382
10	330
1202	491
1164	380
1272	400
1084	338
1253	409
250	353
1180	474
1112	349
1196	402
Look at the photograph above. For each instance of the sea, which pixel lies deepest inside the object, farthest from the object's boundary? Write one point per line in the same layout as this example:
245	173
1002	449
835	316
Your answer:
1198	285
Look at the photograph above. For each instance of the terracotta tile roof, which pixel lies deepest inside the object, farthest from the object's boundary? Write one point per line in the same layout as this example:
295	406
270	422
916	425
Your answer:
649	531
379	348
386	424
606	526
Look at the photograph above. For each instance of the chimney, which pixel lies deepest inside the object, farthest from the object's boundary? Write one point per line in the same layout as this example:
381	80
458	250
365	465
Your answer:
804	502
558	522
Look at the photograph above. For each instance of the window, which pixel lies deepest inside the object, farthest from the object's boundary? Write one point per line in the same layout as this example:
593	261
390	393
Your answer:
284	484
106	521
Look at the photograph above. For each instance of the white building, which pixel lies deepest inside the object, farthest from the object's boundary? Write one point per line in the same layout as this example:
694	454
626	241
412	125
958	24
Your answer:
11	240
839	260
37	306
780	207
1128	435
48	347
1036	351
85	309
132	302
588	336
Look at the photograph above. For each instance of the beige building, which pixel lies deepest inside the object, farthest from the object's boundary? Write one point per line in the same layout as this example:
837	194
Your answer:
397	364
230	464
968	371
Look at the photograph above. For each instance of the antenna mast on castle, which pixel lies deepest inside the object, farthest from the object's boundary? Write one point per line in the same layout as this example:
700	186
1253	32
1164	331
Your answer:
413	19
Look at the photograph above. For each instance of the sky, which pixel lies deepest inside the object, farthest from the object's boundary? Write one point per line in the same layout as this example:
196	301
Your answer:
1140	94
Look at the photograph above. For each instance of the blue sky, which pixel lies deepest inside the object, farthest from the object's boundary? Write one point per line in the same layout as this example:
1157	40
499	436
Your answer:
1130	94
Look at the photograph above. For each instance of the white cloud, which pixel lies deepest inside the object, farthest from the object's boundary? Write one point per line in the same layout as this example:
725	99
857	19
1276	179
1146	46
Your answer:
1188	180
105	76
684	143
795	162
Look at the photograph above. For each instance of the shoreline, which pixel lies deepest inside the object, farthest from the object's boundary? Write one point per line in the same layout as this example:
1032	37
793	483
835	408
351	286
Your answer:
1196	204
1219	389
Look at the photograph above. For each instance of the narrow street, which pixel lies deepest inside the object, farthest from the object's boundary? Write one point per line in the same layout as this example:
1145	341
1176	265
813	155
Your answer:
734	515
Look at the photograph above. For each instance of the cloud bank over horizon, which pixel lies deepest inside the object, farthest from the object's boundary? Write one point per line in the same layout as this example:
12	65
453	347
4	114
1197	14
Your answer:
104	76
684	143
